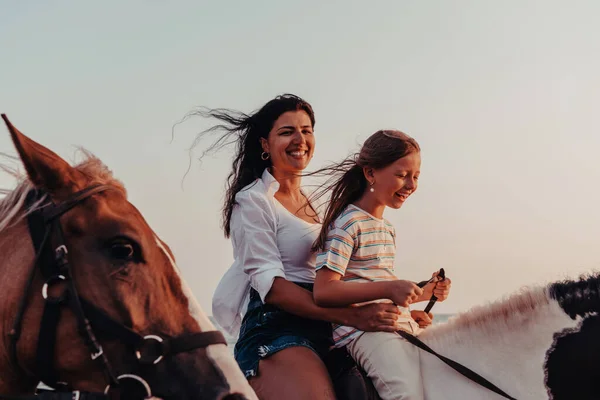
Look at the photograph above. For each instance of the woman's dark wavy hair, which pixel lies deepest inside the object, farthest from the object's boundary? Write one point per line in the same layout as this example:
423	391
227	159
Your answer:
245	130
347	180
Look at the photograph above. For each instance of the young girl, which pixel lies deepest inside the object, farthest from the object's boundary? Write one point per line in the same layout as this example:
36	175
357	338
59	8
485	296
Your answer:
355	263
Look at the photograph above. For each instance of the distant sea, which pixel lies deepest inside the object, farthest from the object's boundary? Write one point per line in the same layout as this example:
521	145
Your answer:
438	318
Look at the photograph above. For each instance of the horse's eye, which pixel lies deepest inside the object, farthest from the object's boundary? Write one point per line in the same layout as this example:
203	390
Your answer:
122	251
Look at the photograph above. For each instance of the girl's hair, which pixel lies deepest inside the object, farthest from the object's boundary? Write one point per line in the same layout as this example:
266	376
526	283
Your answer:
348	180
245	130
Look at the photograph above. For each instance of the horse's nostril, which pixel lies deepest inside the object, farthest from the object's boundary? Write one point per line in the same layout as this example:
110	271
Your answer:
234	396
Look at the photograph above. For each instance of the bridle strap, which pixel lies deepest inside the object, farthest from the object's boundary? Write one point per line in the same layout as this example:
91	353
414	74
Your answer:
56	211
109	328
39	240
47	344
182	344
55	395
56	264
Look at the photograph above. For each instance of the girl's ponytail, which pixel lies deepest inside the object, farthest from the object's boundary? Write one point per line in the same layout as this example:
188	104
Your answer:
348	184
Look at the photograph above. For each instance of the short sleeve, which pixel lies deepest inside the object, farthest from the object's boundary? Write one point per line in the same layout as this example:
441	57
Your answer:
337	251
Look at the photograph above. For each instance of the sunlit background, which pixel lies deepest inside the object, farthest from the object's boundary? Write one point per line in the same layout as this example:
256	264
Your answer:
502	97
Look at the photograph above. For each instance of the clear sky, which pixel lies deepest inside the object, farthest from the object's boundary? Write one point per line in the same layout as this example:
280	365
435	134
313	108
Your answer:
502	97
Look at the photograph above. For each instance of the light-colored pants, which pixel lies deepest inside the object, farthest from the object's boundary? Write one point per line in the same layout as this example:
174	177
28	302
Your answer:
391	362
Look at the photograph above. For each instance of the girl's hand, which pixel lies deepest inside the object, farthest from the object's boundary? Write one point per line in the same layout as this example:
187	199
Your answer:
403	292
420	317
441	289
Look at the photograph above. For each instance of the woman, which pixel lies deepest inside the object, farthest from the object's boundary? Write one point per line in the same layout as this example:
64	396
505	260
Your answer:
266	294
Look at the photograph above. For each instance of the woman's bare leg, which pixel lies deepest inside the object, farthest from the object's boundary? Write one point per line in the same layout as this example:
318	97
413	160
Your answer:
295	373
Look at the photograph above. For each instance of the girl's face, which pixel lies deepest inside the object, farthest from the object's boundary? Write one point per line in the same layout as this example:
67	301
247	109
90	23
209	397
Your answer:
291	142
393	184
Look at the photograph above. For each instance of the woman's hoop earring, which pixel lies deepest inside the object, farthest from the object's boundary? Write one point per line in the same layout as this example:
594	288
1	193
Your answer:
265	156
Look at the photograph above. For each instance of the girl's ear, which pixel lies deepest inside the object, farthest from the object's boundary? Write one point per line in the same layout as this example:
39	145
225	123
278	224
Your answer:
369	176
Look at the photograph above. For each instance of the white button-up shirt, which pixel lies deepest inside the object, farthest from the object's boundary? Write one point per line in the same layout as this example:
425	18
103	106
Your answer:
262	231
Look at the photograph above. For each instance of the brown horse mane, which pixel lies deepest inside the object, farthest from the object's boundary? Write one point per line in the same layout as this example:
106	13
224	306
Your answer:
12	205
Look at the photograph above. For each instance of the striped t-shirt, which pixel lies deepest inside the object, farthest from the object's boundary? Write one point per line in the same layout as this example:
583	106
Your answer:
361	248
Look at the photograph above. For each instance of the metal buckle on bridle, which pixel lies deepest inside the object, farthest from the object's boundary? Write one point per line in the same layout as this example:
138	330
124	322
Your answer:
60	255
98	353
51	280
138	352
61	251
136	378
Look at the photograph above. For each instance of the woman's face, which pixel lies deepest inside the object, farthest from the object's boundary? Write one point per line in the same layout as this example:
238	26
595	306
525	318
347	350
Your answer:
291	142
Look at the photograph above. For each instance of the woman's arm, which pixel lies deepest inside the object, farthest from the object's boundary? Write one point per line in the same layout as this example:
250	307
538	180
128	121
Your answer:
330	291
292	298
296	300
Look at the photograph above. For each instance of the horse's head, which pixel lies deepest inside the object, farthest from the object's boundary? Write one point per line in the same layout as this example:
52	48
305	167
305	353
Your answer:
124	310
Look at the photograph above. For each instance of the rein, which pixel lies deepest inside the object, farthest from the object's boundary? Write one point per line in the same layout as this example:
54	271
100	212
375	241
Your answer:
52	261
461	369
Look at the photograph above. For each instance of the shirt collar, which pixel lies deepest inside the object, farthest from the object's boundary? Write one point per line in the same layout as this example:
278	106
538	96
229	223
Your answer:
271	184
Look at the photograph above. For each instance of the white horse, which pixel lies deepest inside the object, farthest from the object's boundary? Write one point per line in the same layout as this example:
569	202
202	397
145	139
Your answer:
540	343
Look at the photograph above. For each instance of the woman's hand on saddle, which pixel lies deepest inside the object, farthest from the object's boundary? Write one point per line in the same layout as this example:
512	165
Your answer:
441	289
422	318
403	293
374	317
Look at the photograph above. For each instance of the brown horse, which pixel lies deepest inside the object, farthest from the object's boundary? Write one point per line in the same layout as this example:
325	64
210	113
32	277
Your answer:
91	301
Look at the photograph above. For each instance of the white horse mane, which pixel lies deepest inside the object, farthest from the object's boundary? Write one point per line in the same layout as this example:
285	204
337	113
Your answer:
527	306
494	318
11	206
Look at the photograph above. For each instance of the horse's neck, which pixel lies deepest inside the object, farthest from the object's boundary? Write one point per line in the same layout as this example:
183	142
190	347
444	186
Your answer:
16	257
510	351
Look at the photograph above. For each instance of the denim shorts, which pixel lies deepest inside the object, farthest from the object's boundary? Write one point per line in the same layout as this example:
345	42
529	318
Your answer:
267	329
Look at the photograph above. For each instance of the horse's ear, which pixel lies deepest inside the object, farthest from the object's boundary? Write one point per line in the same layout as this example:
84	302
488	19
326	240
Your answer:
45	169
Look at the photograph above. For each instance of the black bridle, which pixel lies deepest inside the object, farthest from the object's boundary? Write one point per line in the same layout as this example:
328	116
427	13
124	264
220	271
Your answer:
52	261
